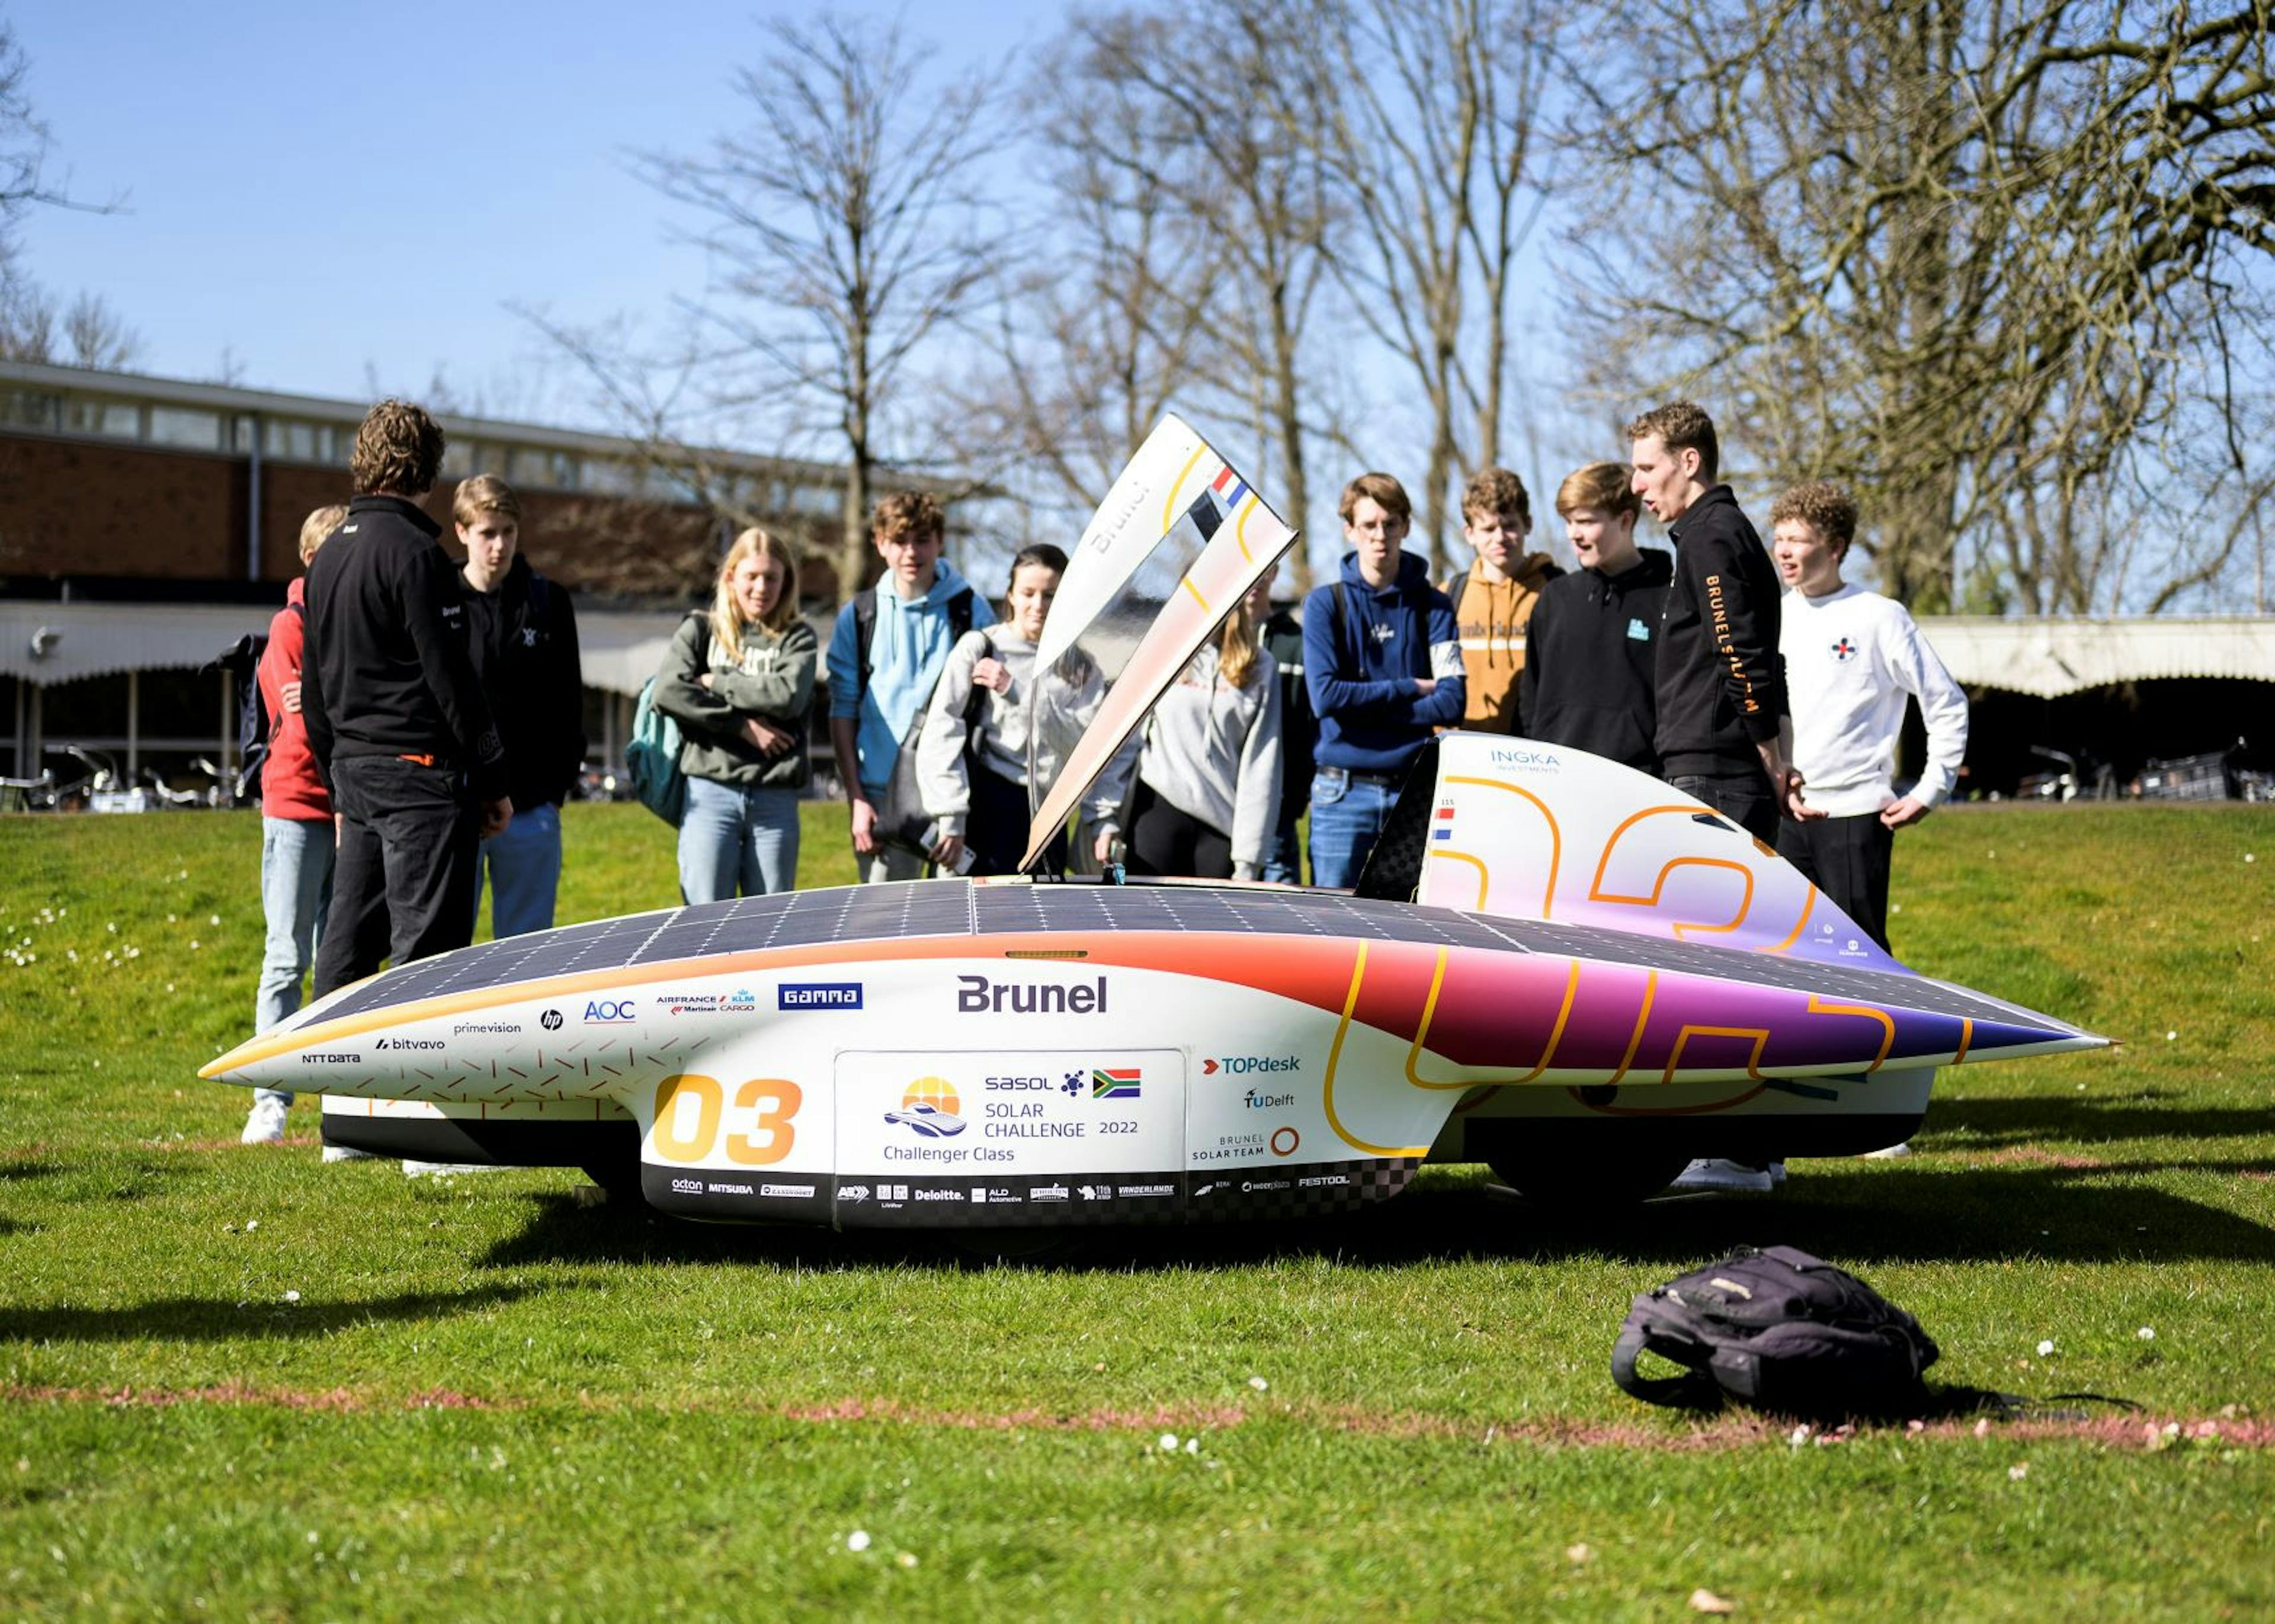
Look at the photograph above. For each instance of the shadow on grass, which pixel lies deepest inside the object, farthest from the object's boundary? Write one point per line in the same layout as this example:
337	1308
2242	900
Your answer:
24	1172
200	1319
1891	1215
2144	1114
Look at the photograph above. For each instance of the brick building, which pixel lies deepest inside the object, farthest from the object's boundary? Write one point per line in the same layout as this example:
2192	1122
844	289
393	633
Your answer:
146	523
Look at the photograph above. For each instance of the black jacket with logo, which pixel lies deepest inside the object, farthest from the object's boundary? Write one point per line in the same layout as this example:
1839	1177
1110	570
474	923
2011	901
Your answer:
1721	681
386	671
1591	659
523	637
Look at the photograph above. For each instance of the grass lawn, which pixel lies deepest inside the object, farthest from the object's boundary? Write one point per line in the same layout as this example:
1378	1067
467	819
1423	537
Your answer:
234	1381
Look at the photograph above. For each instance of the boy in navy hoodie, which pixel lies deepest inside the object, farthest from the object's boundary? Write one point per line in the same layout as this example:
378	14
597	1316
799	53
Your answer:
1382	657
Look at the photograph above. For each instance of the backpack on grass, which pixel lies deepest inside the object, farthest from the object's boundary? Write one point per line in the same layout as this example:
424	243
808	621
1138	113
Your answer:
1780	1331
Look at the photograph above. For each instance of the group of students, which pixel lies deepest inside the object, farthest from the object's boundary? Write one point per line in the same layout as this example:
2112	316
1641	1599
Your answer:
946	725
424	722
430	730
1737	676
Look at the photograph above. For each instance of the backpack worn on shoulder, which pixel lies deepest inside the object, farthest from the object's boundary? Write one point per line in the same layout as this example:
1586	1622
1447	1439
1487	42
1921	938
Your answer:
1780	1331
652	755
256	729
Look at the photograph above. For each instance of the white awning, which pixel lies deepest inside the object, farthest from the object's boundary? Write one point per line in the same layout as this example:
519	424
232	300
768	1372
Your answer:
2052	657
97	640
620	650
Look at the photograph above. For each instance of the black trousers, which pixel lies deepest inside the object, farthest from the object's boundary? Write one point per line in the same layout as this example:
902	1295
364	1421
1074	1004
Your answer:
404	886
1743	797
995	829
1847	859
1166	842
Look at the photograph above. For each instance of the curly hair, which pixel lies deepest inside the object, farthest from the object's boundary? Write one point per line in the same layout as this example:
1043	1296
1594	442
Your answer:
1380	489
1496	490
908	515
1606	486
1823	506
398	451
1679	426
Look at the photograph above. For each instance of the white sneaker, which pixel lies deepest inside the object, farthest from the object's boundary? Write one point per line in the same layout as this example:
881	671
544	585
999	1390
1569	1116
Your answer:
266	1123
1714	1173
343	1152
445	1169
1889	1153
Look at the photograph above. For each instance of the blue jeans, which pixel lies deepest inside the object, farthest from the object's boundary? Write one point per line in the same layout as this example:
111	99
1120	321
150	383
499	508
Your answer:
732	836
523	862
296	892
1347	816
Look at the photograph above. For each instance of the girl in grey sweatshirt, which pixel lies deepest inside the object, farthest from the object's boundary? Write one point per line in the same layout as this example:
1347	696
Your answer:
996	727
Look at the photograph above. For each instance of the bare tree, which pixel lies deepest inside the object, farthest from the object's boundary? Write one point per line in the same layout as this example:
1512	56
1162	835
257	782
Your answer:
1102	318
32	328
1959	254
1217	85
844	224
1426	117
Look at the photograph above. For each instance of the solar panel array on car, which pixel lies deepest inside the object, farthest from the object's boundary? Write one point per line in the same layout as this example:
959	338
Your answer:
885	913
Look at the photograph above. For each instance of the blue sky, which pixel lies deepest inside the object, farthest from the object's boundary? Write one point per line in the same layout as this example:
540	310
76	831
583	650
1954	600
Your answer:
321	199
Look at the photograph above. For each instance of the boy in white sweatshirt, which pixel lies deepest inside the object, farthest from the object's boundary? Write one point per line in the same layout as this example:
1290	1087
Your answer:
1851	658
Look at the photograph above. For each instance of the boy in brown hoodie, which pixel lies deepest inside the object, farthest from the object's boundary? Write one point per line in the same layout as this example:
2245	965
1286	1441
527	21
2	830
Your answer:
1494	602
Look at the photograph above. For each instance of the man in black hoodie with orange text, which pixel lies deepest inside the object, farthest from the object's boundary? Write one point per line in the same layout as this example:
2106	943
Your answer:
1724	735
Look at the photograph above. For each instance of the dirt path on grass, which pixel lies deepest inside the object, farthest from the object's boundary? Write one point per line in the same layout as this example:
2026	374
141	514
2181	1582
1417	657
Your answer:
1720	1432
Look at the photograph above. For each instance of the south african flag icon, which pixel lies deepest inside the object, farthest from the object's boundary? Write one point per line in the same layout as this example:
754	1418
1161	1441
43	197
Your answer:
1121	1083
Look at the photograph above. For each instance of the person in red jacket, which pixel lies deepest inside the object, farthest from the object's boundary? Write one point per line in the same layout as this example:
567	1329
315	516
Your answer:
295	829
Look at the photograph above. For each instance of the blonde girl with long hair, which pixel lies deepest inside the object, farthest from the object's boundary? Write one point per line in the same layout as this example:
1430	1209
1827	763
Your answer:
738	679
1207	791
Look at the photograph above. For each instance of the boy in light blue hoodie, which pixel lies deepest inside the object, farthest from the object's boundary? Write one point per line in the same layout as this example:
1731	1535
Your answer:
915	614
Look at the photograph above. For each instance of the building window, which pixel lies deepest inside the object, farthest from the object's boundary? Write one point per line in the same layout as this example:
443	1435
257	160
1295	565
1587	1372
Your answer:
186	426
30	409
292	442
533	468
610	476
120	418
820	500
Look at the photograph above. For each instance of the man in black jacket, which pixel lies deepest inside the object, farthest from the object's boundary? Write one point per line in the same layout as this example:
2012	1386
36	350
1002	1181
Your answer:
521	629
396	719
1590	668
1724	735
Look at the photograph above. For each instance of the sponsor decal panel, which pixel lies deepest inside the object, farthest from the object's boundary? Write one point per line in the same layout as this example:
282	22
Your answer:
1014	1134
817	995
610	1011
